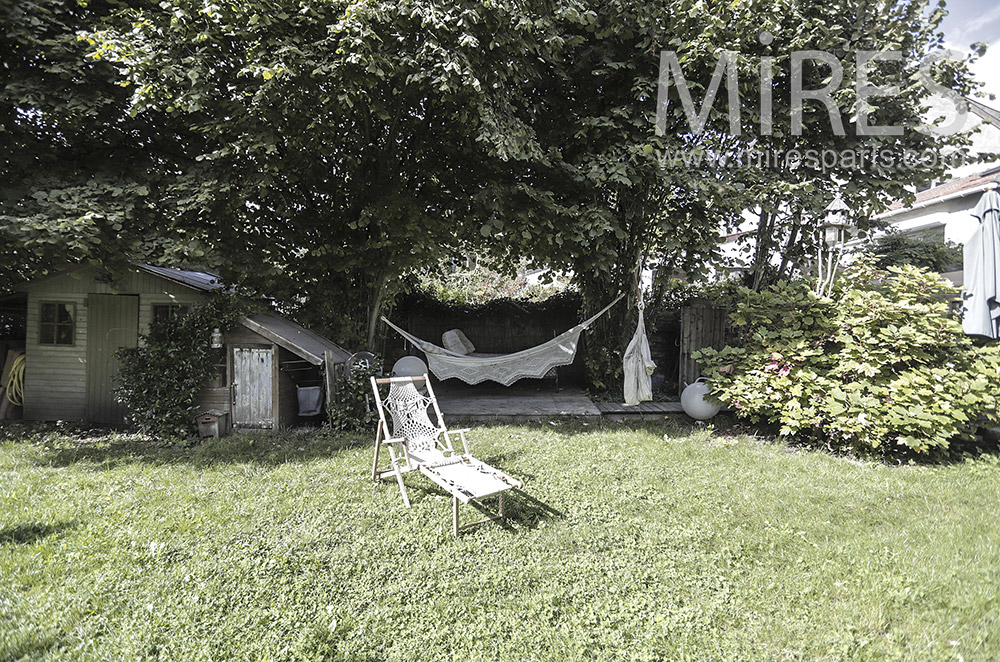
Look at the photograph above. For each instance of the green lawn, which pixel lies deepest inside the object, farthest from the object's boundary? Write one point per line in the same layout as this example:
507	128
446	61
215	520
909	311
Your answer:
643	543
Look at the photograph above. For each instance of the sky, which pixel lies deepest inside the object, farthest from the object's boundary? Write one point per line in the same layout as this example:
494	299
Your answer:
971	21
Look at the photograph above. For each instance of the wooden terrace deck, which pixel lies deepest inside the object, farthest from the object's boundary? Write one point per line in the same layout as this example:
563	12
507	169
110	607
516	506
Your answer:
497	403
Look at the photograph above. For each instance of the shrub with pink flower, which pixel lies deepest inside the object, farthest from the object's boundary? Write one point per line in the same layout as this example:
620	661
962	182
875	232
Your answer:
881	364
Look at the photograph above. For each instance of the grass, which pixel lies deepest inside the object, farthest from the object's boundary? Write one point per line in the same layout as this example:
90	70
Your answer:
628	543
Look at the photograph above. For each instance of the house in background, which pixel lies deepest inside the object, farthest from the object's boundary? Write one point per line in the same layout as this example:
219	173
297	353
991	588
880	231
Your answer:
76	322
943	209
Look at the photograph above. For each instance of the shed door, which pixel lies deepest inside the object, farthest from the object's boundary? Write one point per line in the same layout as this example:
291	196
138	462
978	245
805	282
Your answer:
112	323
253	387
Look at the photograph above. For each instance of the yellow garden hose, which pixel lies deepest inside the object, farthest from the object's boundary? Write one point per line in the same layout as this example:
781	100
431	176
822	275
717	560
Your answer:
15	385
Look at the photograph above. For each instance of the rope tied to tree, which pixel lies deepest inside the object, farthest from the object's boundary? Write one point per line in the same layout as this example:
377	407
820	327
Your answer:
640	302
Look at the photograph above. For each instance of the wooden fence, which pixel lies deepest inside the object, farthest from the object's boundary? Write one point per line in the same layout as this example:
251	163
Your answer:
702	325
332	373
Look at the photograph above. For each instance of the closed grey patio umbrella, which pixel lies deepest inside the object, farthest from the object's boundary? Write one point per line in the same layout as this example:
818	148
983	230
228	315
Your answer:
981	301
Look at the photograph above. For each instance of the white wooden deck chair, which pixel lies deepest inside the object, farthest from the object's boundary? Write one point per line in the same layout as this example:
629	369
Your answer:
417	444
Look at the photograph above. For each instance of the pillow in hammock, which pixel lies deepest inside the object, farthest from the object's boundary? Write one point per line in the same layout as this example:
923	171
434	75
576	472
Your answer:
456	341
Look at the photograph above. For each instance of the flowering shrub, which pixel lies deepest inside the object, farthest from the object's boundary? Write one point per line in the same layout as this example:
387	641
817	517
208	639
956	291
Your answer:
881	364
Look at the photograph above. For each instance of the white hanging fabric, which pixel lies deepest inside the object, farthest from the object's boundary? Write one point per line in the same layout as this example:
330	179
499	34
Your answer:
981	299
502	368
638	365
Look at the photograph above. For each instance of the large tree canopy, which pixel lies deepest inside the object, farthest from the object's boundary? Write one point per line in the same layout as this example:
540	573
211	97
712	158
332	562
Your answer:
344	142
897	43
609	194
322	150
76	170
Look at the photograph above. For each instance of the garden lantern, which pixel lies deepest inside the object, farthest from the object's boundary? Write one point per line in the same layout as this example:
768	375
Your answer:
216	340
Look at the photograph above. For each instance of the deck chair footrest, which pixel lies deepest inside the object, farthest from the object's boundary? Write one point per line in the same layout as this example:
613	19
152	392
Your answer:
466	482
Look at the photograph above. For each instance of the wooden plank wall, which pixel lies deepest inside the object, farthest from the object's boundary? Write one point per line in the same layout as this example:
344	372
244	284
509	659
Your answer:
240	335
56	375
702	325
663	329
332	372
213	397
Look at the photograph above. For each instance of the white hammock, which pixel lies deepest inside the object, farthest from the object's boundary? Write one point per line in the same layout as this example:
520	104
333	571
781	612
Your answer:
503	368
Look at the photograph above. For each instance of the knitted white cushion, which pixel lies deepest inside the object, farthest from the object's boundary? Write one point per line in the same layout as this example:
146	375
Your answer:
456	341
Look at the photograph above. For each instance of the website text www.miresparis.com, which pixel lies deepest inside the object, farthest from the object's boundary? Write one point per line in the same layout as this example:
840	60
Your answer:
821	160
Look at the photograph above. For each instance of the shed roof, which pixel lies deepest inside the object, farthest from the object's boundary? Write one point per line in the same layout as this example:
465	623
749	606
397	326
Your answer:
198	280
294	337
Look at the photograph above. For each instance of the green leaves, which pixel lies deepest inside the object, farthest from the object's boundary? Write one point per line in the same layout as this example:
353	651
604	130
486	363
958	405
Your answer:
77	171
361	135
895	248
381	136
882	365
352	411
160	379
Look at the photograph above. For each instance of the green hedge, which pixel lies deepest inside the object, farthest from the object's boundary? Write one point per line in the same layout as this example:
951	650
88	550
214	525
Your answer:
160	379
882	364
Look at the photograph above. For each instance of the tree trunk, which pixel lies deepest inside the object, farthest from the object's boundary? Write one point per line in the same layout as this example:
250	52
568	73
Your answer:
793	236
378	297
761	253
605	341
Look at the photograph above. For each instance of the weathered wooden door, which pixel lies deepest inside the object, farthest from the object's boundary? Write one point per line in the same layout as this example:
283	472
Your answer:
702	325
112	323
253	387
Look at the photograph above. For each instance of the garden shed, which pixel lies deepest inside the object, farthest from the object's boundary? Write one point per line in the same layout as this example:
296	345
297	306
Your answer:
76	322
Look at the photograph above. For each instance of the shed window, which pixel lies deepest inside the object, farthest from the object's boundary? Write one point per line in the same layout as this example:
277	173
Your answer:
168	311
56	324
